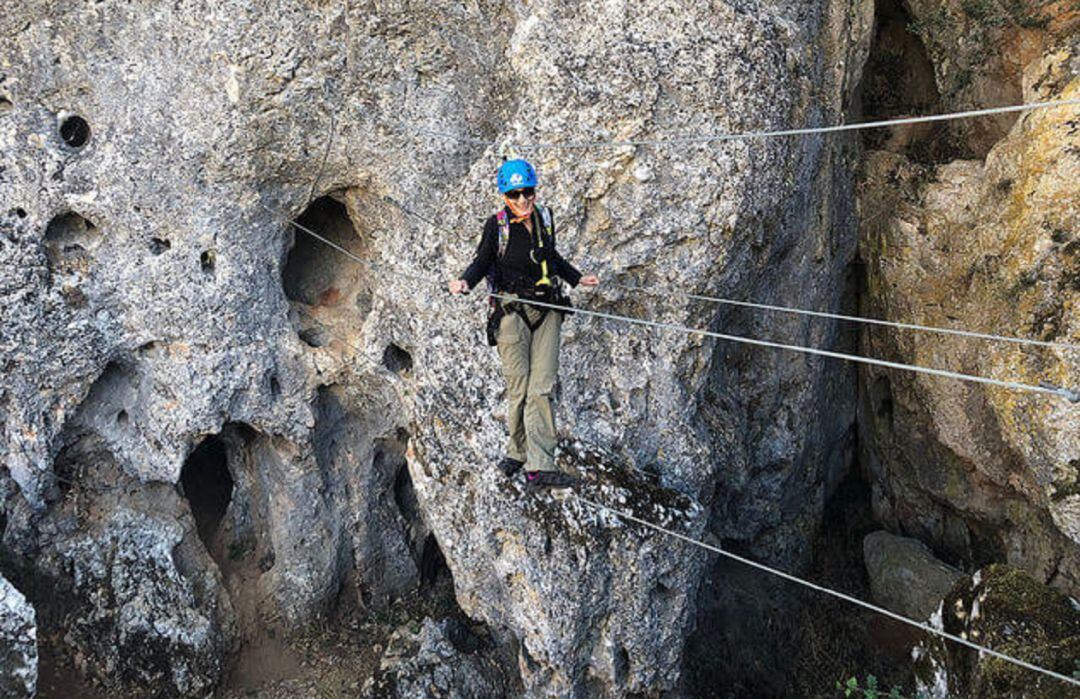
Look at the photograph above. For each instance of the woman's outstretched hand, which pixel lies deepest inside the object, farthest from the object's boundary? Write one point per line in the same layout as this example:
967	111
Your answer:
589	280
459	286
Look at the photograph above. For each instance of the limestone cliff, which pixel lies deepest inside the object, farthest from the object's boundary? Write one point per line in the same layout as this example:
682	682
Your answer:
984	474
186	373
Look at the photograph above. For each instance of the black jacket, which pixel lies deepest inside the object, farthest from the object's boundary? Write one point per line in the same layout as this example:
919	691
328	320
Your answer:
520	264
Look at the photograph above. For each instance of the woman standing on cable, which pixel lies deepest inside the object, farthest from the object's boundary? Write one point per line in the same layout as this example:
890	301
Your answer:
517	255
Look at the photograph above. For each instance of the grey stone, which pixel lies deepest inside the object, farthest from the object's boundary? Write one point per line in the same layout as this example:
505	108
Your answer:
963	466
905	576
136	615
18	644
425	661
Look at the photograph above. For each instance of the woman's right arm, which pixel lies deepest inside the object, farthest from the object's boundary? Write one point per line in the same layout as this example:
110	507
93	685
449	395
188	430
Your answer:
483	259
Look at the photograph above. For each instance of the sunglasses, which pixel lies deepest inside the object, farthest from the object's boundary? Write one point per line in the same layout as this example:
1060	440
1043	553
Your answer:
528	193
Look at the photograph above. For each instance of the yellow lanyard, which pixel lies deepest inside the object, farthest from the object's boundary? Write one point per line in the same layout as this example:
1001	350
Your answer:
540	243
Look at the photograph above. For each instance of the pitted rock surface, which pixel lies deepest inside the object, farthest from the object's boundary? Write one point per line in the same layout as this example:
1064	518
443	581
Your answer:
438	659
18	644
155	297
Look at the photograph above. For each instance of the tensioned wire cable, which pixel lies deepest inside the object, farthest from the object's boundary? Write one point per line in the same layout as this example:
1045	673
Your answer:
761	566
747	135
1066	393
850	318
803	311
834	593
1046	389
746	561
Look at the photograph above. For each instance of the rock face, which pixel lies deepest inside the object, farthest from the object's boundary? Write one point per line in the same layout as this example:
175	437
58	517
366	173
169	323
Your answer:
437	660
18	644
904	575
980	51
983	473
631	592
1005	609
117	569
158	303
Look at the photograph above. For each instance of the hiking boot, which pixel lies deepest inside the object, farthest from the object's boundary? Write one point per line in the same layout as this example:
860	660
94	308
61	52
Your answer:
548	480
510	466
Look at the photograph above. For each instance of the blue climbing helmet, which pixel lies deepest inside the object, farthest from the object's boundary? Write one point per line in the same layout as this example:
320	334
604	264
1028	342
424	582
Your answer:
516	174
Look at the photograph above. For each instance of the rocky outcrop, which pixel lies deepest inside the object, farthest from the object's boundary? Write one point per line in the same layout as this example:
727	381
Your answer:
983	473
157	301
438	659
18	644
904	575
630	593
979	50
1005	609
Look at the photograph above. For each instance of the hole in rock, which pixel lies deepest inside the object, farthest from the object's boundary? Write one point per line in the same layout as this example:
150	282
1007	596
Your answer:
315	336
68	238
75	131
316	274
207	260
5	106
122	418
159	245
327	287
898	80
432	563
396	359
275	386
206	483
20	212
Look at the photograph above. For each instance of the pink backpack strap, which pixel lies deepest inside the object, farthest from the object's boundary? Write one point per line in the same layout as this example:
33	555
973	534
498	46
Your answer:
504	231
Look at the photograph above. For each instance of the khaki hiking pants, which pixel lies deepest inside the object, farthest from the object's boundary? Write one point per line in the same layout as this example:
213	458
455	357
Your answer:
530	363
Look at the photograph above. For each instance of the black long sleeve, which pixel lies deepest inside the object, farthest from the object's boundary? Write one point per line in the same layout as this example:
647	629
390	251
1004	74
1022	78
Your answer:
486	251
519	264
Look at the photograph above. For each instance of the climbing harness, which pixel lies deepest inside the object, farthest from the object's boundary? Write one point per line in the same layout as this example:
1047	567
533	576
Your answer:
545	289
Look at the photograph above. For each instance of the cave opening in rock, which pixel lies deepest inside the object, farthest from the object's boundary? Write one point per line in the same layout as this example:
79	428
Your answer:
75	131
898	80
316	274
208	486
5	106
332	292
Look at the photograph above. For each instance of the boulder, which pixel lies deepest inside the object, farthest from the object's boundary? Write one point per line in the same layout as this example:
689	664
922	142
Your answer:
437	660
905	576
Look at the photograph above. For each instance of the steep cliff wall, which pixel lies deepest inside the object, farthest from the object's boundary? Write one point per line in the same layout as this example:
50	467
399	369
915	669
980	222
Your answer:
330	427
984	474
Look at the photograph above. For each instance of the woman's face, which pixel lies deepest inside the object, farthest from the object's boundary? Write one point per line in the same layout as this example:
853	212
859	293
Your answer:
521	201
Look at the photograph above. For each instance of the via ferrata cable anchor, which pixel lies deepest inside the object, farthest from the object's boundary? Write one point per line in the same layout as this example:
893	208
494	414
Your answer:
1068	393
